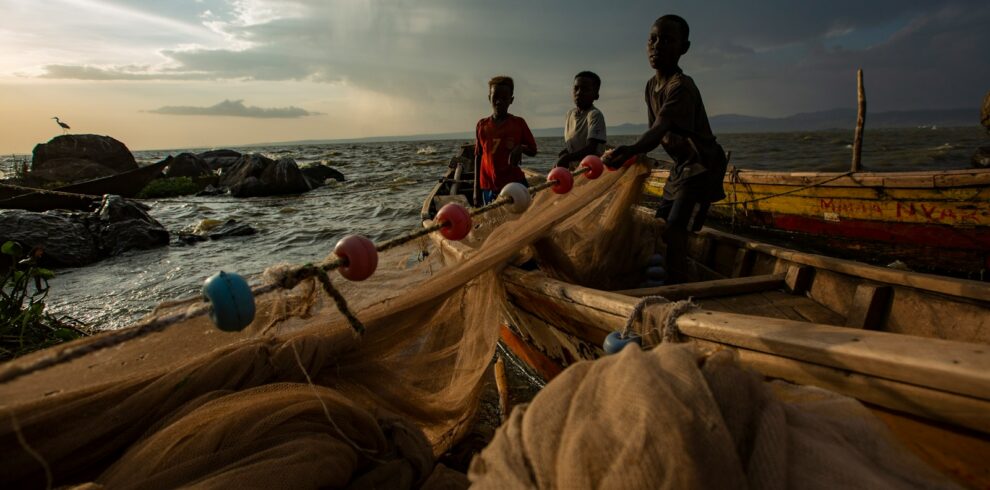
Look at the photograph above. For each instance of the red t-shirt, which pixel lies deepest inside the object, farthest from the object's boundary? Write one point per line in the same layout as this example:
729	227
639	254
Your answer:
495	142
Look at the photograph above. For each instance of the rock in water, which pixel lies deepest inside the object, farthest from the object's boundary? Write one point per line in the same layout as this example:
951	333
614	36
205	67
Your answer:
62	235
72	239
126	225
256	175
103	150
220	159
319	174
187	165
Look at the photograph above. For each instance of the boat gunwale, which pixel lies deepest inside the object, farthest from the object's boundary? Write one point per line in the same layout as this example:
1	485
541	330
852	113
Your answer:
923	179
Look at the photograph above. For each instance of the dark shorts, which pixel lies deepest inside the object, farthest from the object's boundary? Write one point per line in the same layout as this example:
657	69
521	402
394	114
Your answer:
685	214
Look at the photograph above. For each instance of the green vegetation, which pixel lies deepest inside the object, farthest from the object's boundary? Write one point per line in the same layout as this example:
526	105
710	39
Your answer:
171	187
25	326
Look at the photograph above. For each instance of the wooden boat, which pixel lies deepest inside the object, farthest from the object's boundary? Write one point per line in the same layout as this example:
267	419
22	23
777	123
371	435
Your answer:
913	347
83	195
936	221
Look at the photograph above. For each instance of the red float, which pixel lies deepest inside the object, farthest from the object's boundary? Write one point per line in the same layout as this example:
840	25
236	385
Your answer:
360	255
595	166
456	221
565	181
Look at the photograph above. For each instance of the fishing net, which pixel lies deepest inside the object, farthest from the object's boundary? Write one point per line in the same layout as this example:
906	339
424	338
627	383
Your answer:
298	399
671	418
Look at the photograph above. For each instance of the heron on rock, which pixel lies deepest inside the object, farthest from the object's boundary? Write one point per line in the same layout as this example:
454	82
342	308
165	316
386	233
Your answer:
65	127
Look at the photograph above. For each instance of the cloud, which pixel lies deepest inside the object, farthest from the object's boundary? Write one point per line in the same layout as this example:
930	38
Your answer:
773	57
235	108
77	72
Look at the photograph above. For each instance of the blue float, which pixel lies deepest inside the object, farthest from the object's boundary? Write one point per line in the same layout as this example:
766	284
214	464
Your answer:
656	260
615	342
231	301
656	273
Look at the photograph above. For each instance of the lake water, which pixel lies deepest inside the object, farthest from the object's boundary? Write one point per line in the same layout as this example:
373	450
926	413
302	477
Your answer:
385	187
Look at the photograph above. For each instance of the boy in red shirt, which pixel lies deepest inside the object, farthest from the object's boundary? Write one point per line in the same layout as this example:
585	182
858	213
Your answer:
500	142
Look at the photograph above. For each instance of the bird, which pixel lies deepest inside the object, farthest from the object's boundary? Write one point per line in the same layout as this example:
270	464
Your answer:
65	127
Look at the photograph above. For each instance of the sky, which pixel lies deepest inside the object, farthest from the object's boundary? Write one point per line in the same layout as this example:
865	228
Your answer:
213	73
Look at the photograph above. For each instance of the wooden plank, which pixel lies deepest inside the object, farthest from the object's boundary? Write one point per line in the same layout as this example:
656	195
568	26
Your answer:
755	304
702	272
965	288
869	307
606	301
709	289
799	278
964	411
743	263
944	365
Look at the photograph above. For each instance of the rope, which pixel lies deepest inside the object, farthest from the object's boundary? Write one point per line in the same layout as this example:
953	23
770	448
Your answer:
771	196
284	277
668	313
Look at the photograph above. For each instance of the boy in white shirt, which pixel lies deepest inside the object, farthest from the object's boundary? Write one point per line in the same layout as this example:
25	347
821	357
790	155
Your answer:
584	127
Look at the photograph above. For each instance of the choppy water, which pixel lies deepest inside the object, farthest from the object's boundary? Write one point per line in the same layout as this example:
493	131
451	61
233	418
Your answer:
385	187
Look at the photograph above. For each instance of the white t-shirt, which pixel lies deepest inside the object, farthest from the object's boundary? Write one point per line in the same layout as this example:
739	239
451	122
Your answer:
581	126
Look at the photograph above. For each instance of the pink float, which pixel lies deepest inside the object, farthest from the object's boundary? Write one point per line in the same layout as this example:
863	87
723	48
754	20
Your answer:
360	255
456	221
565	181
595	166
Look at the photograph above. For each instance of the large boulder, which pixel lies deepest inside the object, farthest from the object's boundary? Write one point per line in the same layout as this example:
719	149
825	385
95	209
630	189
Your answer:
187	165
63	236
125	225
320	174
72	239
103	150
284	177
70	169
256	175
220	159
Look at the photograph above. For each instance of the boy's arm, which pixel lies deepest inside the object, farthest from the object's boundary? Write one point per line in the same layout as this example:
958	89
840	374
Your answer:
477	169
525	147
645	144
677	102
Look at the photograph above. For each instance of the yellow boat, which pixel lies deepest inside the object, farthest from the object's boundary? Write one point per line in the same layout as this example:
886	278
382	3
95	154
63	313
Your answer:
935	221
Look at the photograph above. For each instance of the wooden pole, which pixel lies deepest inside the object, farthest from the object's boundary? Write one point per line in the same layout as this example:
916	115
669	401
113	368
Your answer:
502	383
860	121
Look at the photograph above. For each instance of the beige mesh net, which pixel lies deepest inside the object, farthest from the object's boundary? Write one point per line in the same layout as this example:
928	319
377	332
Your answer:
298	400
194	405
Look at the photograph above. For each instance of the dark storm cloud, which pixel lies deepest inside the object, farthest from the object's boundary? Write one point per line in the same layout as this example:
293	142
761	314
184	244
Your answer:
235	108
772	57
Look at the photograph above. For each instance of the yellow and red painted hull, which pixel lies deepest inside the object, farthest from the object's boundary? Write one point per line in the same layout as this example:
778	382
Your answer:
932	220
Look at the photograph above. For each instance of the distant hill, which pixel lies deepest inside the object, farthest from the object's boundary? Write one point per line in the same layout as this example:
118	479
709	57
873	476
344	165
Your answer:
843	119
735	123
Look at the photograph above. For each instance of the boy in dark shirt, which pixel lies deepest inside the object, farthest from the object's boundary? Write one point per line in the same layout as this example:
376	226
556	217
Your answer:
500	141
678	121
